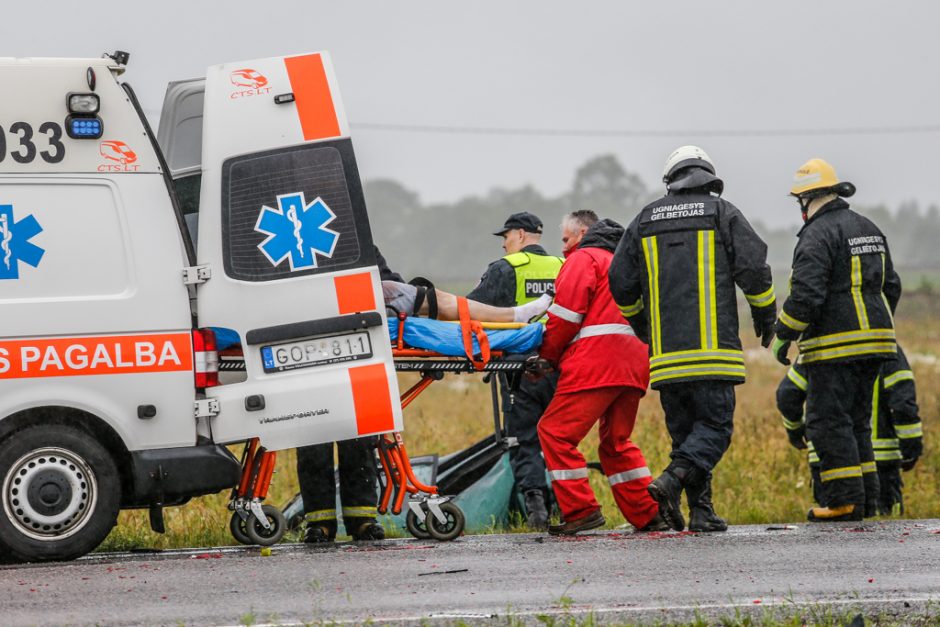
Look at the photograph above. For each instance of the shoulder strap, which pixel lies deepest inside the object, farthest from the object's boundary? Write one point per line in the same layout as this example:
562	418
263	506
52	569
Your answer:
517	259
470	329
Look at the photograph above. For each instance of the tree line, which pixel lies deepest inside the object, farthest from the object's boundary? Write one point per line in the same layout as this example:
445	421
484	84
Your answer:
453	242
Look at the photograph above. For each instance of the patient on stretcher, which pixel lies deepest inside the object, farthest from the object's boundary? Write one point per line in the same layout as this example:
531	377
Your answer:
425	300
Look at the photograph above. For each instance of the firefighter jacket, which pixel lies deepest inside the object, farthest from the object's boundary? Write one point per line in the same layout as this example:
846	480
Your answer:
894	407
673	275
843	289
518	278
586	337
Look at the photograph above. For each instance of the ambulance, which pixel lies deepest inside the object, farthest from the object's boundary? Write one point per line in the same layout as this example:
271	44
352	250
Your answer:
123	257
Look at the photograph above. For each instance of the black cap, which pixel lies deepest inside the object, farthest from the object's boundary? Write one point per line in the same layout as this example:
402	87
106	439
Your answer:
524	220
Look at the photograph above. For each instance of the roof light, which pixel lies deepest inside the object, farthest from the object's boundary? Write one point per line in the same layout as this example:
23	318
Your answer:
83	104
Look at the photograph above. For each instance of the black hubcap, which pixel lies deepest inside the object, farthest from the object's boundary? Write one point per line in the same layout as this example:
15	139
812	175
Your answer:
49	493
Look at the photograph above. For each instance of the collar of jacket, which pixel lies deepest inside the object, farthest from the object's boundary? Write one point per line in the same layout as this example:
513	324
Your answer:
535	249
604	234
833	205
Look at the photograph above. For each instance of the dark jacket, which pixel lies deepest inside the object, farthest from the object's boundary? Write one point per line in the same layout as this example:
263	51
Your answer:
385	273
673	276
497	286
843	289
894	396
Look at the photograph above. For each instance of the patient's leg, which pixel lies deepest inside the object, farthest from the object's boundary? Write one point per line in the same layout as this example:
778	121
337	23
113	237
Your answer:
401	297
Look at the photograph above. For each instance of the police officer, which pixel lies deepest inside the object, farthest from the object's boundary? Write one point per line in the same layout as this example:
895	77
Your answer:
673	276
525	273
842	297
358	477
896	436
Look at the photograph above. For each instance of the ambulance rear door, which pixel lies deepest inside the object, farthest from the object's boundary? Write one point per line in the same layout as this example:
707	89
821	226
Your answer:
284	232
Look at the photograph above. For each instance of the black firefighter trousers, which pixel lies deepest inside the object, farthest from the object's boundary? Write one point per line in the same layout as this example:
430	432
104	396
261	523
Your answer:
358	483
699	417
522	409
838	423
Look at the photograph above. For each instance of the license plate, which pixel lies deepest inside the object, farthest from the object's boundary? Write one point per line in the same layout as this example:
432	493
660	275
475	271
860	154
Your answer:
319	351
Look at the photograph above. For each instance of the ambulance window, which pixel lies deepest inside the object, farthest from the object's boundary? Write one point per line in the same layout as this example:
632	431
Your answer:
187	192
294	211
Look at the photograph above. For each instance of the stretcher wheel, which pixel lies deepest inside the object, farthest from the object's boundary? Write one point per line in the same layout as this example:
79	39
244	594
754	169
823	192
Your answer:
416	526
449	530
239	529
266	537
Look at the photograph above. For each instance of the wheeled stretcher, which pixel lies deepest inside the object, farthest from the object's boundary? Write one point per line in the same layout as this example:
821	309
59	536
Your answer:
428	347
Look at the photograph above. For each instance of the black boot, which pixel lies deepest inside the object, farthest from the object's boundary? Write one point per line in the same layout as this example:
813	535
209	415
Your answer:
536	512
317	532
702	516
365	530
667	490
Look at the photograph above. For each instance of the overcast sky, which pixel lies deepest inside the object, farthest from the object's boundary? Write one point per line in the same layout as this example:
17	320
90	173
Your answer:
711	70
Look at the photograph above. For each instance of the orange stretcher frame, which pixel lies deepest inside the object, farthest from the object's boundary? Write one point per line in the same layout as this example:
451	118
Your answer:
400	480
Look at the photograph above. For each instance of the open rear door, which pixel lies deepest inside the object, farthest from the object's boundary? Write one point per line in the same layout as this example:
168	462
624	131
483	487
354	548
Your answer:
284	231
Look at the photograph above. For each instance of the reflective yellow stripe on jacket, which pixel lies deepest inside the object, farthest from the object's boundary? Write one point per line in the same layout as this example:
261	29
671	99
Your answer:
651	254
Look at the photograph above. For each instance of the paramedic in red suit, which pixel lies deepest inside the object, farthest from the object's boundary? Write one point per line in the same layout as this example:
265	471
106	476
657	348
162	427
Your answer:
604	371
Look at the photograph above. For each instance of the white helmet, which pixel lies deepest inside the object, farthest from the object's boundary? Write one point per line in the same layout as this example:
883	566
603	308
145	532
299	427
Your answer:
684	157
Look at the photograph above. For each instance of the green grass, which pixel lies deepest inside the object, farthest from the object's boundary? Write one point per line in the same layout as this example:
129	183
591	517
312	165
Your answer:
760	480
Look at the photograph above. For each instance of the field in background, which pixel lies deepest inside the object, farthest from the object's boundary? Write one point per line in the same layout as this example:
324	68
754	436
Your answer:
760	480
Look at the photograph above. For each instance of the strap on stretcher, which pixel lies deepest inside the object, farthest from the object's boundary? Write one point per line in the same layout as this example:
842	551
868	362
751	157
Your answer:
470	329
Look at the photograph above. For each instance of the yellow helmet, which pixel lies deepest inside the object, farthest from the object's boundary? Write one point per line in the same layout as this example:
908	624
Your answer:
816	175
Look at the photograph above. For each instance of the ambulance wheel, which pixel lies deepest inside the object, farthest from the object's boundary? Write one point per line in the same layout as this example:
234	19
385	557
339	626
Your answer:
257	534
239	529
416	526
60	493
449	530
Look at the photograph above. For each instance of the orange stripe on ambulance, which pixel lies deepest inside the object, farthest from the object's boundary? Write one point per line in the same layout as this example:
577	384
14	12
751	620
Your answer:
123	354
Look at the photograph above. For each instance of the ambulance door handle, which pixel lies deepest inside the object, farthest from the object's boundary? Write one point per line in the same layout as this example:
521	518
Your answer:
309	328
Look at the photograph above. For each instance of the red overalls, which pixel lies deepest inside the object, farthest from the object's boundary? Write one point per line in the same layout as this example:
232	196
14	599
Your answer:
604	373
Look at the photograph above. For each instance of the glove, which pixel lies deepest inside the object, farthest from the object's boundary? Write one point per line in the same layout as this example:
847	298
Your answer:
780	349
764	320
536	367
797	437
911	450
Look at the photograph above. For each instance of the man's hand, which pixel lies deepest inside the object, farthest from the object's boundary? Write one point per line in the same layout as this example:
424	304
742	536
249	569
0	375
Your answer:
797	437
780	349
764	320
536	368
911	450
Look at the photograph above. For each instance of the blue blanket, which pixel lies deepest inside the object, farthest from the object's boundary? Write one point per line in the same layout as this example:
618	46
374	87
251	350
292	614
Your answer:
445	338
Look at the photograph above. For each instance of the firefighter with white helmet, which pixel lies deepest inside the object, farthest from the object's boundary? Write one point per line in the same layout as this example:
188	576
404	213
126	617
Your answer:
673	276
840	309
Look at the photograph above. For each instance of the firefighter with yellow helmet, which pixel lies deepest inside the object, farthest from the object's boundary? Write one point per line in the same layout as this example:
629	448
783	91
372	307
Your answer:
843	292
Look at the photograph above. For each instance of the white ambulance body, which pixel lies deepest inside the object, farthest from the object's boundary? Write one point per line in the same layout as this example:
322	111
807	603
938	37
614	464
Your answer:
107	379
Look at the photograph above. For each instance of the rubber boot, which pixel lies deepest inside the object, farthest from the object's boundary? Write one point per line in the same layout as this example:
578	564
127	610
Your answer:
319	532
667	491
536	511
657	524
592	521
835	514
702	516
365	530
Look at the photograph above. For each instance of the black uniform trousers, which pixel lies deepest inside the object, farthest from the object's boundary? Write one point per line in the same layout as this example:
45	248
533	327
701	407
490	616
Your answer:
358	482
838	423
699	417
522	410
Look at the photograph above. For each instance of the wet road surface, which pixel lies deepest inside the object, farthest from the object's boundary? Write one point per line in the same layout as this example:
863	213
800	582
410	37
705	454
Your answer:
891	567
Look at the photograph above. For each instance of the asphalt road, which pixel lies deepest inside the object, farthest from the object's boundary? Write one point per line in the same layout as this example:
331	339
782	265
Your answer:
872	568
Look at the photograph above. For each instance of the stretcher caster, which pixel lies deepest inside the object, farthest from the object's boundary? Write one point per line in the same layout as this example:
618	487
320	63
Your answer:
266	534
416	525
449	528
239	528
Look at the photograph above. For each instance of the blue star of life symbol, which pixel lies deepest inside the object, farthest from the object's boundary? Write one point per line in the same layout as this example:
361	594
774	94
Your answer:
296	231
15	245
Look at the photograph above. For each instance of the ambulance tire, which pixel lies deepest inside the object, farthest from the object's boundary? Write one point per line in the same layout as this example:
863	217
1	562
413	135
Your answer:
239	529
449	530
257	534
60	493
416	526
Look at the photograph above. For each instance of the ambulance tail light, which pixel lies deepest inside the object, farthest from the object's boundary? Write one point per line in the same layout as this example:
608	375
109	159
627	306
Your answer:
206	364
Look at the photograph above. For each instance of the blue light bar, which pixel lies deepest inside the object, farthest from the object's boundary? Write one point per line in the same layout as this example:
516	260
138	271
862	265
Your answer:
84	128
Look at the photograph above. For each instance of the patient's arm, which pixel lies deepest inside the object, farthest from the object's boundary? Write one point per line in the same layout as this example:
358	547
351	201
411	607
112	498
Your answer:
401	296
